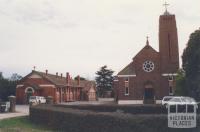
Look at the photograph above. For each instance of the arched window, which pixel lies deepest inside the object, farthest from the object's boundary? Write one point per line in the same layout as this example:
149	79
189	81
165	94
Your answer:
29	90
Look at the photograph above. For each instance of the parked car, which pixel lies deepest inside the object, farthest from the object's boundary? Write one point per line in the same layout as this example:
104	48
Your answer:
2	106
37	99
177	100
166	99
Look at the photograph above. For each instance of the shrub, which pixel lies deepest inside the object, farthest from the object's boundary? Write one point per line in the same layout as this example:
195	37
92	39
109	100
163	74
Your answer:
79	120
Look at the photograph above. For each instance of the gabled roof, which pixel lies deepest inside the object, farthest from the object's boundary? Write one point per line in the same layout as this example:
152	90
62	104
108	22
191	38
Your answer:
128	70
58	81
88	84
146	47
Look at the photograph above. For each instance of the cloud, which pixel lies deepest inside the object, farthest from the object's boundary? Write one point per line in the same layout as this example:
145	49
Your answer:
79	36
38	11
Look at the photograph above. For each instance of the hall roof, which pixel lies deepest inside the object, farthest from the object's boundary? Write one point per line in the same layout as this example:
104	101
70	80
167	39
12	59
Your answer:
61	81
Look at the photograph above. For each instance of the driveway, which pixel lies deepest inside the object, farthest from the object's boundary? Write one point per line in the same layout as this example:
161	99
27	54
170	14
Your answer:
99	102
21	110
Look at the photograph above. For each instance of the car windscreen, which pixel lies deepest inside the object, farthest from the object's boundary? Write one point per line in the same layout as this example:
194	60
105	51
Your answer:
167	99
175	100
32	97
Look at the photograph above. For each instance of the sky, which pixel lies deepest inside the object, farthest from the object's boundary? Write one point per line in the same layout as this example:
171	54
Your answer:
80	36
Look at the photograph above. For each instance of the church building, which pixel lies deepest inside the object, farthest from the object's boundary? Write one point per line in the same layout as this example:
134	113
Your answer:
151	74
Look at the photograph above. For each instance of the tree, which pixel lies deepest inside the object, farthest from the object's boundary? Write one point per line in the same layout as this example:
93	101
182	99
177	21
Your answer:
181	89
104	80
7	86
15	77
191	65
81	78
1	75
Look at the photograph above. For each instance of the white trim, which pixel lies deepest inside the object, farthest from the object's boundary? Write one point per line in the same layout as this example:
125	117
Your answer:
29	88
47	85
169	74
126	94
135	101
158	101
130	102
18	86
126	75
116	80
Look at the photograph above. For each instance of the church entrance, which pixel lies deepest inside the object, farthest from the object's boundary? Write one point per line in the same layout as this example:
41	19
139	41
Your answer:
148	94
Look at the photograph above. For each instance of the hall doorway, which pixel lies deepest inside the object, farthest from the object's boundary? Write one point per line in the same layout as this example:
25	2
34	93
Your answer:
28	92
149	97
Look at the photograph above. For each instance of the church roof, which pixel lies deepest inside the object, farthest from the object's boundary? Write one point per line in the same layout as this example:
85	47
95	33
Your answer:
146	47
128	70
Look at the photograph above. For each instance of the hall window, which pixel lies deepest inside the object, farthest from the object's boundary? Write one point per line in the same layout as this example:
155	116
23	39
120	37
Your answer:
170	90
170	78
126	90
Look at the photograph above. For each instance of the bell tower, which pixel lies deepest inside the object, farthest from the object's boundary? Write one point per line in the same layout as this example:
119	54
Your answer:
168	42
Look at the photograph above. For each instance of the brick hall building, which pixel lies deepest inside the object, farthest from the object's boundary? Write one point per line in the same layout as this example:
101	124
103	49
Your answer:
151	74
62	89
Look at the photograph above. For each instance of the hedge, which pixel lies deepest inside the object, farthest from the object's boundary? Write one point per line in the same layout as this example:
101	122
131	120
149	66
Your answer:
79	120
133	109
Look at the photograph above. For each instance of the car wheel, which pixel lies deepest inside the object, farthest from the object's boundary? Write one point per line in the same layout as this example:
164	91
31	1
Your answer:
165	105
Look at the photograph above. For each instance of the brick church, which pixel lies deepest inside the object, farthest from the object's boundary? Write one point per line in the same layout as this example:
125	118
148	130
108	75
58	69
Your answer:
151	74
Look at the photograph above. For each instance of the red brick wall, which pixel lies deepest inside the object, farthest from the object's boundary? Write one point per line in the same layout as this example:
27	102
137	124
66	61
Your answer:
165	61
43	91
168	44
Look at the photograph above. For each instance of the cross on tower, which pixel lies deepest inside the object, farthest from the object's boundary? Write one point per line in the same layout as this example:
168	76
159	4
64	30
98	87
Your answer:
147	43
166	5
34	67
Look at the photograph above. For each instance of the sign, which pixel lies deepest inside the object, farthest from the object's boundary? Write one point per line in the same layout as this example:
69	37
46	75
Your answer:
182	120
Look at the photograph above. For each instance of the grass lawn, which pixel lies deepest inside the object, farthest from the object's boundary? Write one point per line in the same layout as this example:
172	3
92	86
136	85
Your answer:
21	124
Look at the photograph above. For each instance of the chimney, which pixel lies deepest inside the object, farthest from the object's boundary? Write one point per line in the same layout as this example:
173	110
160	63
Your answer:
46	72
67	78
61	75
56	74
78	80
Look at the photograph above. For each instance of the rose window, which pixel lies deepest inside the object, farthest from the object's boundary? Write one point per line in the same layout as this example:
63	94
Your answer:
148	66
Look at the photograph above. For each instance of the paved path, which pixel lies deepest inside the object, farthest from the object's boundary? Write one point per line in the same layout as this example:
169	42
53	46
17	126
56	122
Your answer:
99	102
21	110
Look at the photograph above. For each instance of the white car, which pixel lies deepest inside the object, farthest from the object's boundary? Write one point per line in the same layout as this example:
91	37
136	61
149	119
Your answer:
166	99
37	99
177	100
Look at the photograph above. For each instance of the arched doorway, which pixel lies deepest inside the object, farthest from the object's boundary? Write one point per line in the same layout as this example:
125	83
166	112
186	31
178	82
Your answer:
149	93
28	92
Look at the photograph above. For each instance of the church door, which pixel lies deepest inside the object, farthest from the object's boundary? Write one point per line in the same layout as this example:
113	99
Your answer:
149	94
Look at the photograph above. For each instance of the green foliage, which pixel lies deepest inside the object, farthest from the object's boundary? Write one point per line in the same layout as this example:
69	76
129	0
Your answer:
104	80
15	77
81	78
20	124
78	120
8	86
191	65
181	89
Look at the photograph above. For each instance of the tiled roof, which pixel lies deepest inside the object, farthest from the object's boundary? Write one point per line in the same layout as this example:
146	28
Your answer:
87	85
57	80
128	70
